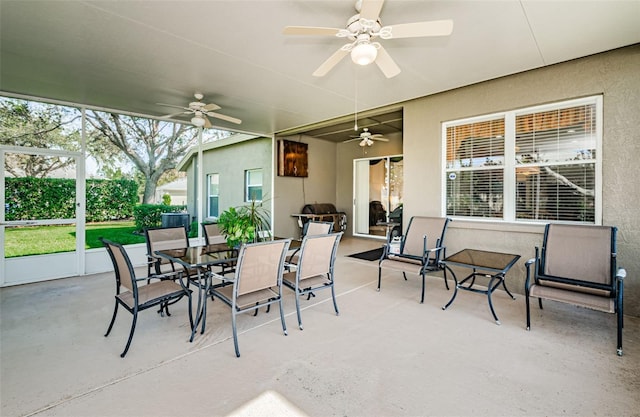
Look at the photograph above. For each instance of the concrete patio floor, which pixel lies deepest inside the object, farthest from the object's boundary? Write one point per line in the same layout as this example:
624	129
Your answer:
384	355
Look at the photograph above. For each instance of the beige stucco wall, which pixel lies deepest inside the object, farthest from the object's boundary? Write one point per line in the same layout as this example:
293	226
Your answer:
292	193
615	75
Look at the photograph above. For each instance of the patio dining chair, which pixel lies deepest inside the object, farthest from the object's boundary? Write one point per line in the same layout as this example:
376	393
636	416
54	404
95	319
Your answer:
216	242
257	281
310	228
164	238
315	270
577	265
421	250
135	297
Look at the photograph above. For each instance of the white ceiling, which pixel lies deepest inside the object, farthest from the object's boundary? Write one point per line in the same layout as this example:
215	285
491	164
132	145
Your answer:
130	55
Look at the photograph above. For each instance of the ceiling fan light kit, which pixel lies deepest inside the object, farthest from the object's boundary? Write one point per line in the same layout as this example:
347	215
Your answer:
364	27
197	121
364	53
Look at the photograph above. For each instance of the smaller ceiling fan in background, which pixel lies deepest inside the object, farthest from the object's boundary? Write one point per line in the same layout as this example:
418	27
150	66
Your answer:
366	138
200	111
364	27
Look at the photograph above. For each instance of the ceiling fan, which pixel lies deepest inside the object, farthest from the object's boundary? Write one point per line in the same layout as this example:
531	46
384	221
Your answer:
200	111
366	138
362	29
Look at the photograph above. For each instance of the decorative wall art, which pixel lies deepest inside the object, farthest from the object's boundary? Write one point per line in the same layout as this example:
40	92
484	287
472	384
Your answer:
292	159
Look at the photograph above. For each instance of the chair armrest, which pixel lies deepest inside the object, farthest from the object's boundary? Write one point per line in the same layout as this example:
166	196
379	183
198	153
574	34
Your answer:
385	251
165	275
426	255
529	262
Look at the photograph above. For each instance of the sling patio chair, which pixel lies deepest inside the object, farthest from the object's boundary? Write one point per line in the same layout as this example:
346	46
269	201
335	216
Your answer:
216	242
421	250
315	269
135	297
257	281
310	228
164	238
577	265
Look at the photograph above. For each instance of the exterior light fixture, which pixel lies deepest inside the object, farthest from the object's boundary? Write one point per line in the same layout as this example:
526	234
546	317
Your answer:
364	53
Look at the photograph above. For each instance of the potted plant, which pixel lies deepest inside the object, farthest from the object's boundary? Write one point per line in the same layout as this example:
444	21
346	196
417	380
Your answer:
243	224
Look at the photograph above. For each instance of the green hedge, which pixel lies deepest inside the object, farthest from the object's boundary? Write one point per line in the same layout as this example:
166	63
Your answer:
54	198
111	199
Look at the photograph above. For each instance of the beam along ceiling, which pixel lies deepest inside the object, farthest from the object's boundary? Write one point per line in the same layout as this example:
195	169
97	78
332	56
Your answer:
131	55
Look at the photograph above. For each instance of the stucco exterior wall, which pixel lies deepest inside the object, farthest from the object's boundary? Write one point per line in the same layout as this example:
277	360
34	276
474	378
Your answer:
231	160
615	75
292	193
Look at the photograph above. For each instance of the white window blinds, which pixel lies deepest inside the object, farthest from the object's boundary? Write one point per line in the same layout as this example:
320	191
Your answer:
475	165
538	164
556	164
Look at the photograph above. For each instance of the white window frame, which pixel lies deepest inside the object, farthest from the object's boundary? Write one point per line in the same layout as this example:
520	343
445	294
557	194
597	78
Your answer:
247	176
509	166
209	195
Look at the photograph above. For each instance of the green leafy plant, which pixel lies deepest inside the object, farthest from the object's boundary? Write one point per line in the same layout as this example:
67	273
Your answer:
236	226
244	224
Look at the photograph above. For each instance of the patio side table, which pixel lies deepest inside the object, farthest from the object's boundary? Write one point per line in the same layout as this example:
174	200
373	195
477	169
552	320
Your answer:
488	264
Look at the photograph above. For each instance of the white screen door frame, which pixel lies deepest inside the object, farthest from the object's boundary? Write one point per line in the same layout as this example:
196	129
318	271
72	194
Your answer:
34	268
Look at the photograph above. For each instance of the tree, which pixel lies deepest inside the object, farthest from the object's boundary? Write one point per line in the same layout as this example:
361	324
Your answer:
37	125
152	146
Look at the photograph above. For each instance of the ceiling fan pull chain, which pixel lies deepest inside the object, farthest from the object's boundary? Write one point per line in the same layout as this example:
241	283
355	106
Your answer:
355	126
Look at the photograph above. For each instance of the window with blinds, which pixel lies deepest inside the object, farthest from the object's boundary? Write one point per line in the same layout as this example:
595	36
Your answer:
475	168
543	167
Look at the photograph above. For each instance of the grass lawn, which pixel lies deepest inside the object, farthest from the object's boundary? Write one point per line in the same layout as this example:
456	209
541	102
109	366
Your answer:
36	240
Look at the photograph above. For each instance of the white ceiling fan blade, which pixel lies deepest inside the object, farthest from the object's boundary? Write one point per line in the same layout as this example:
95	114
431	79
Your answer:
379	137
310	30
330	63
352	140
173	105
224	117
386	64
211	106
418	29
370	9
207	123
168	116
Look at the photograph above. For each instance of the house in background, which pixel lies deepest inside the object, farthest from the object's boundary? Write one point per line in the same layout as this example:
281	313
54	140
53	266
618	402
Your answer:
235	171
177	190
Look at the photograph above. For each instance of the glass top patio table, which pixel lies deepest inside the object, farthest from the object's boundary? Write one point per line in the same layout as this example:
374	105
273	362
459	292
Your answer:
488	264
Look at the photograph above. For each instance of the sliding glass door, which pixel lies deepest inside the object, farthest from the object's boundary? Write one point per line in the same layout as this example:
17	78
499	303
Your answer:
377	191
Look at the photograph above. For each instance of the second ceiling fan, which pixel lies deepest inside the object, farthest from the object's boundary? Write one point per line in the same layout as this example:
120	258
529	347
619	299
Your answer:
366	138
362	29
199	112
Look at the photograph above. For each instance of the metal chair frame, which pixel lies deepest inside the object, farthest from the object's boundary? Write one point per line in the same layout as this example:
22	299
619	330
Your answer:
415	253
138	298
